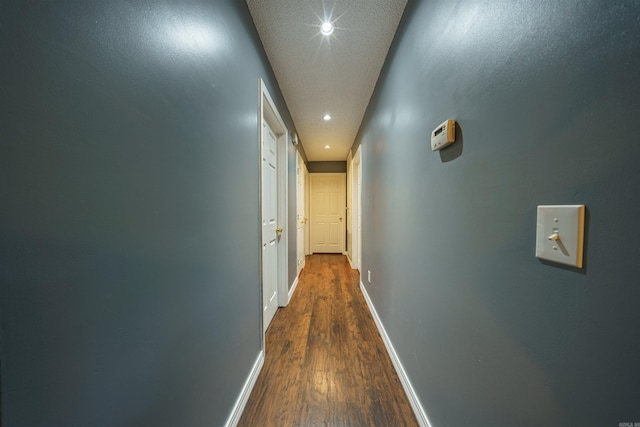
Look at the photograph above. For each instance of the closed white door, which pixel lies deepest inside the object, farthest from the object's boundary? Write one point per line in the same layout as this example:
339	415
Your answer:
301	214
269	225
328	203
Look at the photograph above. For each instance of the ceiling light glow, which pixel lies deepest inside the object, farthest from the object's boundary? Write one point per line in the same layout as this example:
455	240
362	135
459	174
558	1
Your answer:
326	28
327	117
327	146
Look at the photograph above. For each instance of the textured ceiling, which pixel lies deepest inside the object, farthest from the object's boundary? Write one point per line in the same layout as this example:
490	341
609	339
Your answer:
333	74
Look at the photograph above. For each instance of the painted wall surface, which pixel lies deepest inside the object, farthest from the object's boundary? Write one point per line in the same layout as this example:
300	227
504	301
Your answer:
327	167
546	95
129	232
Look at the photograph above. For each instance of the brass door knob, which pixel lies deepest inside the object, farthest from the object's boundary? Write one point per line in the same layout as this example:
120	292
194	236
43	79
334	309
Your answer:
278	230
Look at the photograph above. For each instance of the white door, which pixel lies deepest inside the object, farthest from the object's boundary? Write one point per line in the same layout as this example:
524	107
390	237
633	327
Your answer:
269	224
300	217
328	203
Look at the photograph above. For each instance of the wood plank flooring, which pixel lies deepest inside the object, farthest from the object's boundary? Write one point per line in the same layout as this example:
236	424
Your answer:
325	363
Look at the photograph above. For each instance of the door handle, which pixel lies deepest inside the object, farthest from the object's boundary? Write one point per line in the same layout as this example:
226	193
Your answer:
340	218
279	230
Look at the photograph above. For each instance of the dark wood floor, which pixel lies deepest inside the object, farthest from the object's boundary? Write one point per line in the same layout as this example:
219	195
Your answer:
325	363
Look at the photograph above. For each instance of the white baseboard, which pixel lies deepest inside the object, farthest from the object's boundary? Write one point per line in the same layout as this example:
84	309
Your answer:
349	259
418	410
292	289
238	408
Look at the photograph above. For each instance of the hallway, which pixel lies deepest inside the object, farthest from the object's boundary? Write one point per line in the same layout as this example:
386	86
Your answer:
325	363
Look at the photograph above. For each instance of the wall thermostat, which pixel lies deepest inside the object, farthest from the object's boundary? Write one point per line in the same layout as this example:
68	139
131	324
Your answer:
443	135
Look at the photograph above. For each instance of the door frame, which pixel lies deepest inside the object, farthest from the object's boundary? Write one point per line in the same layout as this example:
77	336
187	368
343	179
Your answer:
342	175
356	209
349	213
307	212
270	114
300	211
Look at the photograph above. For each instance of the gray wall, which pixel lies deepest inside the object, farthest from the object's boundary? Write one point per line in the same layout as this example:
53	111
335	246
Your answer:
129	234
546	95
327	167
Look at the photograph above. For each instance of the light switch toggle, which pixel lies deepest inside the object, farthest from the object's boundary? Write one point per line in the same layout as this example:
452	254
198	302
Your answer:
554	236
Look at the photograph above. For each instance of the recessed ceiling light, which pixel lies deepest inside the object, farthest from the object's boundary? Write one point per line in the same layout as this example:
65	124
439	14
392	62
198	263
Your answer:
326	28
327	146
327	117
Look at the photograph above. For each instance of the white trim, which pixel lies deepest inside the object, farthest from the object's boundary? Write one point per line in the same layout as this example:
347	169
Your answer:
418	410
293	289
349	212
307	211
300	213
283	219
238	408
356	210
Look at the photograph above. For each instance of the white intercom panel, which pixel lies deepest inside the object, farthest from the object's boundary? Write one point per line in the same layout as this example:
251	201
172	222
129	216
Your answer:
443	135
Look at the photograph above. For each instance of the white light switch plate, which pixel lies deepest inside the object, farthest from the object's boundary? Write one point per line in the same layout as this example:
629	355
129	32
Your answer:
560	234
